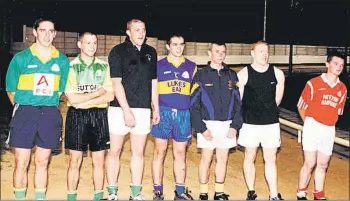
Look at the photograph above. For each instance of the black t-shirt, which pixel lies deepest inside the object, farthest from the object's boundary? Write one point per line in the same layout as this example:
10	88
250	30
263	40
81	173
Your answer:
137	70
259	98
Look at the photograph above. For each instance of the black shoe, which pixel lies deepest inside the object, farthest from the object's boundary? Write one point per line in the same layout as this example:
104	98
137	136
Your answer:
158	195
301	198
320	198
301	195
184	196
221	196
203	196
251	195
279	197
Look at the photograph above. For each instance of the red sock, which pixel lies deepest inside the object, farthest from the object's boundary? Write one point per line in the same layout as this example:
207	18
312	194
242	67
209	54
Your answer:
302	189
319	194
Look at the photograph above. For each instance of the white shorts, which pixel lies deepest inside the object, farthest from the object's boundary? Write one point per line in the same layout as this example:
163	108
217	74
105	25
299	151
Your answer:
317	136
251	136
219	130
117	125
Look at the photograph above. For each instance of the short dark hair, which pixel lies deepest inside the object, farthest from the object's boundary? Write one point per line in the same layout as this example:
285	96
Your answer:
128	24
334	54
174	36
39	21
82	34
219	43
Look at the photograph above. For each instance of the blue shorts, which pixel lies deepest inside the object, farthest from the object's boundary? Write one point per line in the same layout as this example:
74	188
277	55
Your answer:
35	126
173	124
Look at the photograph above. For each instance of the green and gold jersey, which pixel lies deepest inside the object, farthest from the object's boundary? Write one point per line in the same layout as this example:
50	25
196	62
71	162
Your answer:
85	78
37	81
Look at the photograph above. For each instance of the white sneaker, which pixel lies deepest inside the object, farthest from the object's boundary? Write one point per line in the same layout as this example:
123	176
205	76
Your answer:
137	197
112	196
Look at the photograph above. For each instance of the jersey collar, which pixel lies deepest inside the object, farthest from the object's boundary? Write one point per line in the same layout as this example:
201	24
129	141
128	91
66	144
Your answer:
54	53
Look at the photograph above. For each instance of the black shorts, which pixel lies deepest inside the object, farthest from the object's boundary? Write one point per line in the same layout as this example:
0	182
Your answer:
87	127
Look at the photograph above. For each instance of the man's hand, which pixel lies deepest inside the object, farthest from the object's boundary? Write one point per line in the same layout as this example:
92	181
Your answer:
207	135
129	119
155	117
232	133
100	91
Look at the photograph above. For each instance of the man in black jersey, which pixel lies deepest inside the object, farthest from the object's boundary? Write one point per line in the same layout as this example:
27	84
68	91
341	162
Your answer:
261	88
133	66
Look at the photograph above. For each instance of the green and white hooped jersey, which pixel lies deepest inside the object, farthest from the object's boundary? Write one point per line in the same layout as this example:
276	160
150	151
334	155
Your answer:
85	78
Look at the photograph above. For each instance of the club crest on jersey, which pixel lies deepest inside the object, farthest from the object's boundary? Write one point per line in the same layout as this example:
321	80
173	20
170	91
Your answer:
55	68
339	93
98	73
149	57
185	75
229	83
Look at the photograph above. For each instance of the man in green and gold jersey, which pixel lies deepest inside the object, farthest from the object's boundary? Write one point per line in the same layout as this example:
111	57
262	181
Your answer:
89	91
35	81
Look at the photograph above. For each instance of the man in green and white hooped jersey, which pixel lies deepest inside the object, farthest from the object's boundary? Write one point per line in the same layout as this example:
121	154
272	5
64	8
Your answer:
35	80
89	91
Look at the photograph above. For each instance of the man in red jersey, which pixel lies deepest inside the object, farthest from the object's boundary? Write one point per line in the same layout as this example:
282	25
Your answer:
321	101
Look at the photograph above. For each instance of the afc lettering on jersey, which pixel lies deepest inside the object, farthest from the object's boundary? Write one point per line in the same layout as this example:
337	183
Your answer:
43	84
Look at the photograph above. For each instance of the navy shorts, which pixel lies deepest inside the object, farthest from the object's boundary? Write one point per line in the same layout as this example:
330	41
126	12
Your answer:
35	126
173	124
87	128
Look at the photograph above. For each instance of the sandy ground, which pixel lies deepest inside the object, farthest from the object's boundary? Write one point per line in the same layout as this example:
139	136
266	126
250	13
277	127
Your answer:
289	162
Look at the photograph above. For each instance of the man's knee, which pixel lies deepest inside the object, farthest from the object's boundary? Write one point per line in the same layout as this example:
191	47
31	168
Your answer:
249	155
98	161
309	164
206	158
270	159
21	165
114	152
221	159
322	165
160	151
74	162
180	153
42	163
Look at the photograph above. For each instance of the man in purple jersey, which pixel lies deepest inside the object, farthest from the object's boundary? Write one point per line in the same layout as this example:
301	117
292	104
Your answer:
175	74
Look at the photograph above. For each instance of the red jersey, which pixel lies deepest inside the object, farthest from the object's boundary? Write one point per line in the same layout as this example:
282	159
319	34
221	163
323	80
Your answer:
322	100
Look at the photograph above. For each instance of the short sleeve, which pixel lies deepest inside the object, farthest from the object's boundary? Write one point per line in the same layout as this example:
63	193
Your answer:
107	84
342	103
115	63
12	75
306	96
154	64
64	75
72	85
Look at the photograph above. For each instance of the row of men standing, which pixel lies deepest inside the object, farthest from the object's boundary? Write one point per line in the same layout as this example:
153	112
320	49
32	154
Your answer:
108	100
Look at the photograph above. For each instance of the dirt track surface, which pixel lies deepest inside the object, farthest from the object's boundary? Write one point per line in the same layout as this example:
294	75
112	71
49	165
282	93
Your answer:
289	162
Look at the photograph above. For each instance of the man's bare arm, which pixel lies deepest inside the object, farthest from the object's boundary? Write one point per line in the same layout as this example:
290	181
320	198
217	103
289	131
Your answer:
105	98
242	79
11	96
77	98
302	113
280	85
119	93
